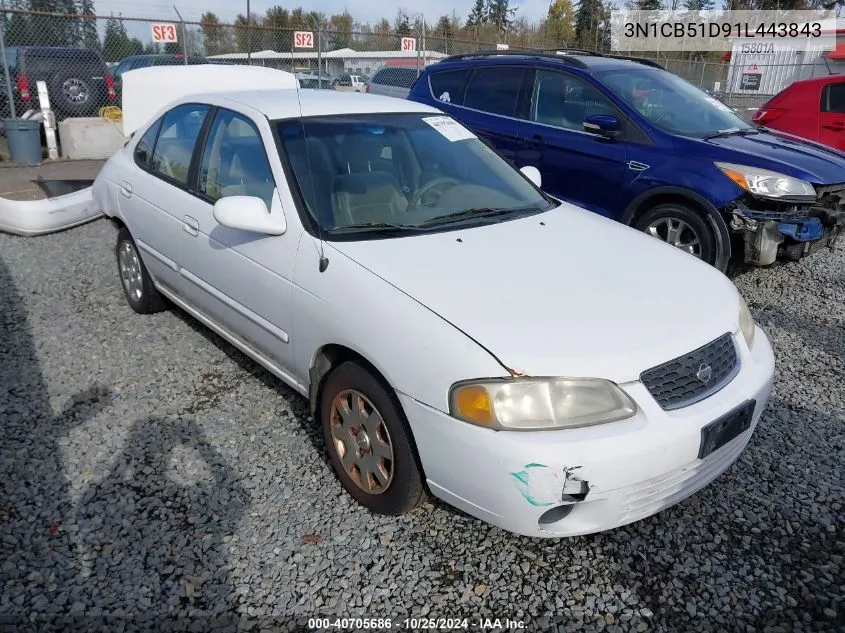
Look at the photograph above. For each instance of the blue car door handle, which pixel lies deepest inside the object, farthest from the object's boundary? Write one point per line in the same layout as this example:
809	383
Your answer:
537	140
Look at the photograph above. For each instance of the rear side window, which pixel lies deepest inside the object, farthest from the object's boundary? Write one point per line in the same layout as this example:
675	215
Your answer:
449	86
144	148
833	97
177	140
494	90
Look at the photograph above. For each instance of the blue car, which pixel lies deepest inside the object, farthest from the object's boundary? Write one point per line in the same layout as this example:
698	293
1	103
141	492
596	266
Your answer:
626	139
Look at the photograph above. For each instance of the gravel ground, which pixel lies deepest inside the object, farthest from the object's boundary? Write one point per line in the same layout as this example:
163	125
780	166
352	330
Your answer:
149	469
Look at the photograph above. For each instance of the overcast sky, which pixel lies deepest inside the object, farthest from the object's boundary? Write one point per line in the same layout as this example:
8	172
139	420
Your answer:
364	10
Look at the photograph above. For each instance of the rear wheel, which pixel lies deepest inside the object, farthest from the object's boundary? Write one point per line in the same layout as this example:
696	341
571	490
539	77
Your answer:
684	228
137	284
369	441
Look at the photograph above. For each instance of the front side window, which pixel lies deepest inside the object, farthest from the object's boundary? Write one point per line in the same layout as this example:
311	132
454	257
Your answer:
565	101
833	98
177	140
494	90
234	161
362	174
672	104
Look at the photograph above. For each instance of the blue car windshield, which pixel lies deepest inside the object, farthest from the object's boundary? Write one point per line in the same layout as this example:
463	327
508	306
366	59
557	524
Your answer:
672	104
401	173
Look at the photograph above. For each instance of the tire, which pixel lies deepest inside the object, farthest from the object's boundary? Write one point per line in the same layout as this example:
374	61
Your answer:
683	226
73	93
136	282
398	488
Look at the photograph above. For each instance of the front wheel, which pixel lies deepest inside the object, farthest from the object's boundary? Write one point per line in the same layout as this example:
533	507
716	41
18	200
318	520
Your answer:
684	228
369	442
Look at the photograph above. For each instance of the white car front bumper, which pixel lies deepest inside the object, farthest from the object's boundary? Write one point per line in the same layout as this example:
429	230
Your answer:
589	479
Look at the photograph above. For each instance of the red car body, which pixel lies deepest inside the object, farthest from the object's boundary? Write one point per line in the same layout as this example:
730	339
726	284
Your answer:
810	108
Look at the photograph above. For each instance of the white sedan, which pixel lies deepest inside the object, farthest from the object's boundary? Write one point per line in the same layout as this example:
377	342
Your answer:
456	330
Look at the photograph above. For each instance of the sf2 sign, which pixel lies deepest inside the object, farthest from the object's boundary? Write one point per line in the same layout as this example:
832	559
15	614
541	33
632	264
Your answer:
164	33
409	44
303	39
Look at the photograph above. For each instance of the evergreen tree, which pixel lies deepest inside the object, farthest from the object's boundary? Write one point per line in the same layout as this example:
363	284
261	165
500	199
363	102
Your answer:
560	24
500	14
88	36
647	5
116	44
477	17
277	37
402	24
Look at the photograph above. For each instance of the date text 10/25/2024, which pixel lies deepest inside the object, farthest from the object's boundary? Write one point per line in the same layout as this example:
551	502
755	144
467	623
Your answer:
415	624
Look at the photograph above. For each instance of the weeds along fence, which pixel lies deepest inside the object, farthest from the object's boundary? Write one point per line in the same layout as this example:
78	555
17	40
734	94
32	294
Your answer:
82	57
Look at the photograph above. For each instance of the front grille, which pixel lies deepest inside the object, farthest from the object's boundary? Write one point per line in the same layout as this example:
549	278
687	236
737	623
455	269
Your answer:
823	190
684	380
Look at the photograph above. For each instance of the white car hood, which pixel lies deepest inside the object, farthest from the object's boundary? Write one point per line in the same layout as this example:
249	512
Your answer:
562	293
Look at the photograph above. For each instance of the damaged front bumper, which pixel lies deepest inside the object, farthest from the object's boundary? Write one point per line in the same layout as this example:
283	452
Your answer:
786	231
581	481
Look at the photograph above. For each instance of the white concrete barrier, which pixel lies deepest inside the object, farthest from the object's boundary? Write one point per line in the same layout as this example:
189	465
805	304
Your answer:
90	138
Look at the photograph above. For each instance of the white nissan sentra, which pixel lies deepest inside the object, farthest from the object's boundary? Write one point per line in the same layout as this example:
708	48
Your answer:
456	331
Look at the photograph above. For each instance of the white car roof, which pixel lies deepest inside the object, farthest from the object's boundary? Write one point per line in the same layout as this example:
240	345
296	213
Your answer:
285	103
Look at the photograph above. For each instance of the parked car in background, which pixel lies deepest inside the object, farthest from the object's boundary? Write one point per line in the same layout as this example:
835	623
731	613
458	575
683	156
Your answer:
631	141
349	83
78	82
262	212
811	108
392	82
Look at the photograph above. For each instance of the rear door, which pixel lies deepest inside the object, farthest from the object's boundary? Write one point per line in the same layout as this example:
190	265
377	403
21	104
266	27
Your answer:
152	198
488	105
577	166
832	115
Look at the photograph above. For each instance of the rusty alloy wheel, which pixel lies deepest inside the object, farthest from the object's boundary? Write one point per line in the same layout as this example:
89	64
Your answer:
362	441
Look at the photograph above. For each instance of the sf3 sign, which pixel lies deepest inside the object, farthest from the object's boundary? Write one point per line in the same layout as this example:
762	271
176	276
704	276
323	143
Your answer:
164	32
409	44
303	39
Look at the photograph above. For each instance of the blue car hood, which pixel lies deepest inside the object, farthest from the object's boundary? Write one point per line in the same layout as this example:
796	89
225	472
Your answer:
788	155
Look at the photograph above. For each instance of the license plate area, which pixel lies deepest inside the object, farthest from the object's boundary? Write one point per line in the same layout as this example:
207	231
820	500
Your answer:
716	434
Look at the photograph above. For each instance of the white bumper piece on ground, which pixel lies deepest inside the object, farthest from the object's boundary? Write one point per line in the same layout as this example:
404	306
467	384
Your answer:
586	480
37	217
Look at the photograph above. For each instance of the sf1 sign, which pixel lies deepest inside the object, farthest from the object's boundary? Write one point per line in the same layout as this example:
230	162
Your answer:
303	39
409	44
164	33
502	47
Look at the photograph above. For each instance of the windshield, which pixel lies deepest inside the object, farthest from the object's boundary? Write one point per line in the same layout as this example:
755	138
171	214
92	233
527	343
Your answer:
673	104
403	172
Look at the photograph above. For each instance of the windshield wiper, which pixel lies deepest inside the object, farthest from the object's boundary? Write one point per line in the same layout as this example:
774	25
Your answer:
472	214
734	131
370	226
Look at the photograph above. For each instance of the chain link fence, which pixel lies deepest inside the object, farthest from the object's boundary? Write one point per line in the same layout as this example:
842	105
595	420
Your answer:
82	57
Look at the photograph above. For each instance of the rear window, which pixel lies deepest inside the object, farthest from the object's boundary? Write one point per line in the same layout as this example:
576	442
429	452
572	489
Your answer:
494	90
399	77
833	97
46	60
449	86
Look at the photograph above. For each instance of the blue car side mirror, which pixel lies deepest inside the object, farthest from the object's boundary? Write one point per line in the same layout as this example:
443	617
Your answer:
605	125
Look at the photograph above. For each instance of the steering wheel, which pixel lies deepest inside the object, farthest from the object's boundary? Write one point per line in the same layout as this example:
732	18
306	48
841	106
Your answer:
668	117
436	184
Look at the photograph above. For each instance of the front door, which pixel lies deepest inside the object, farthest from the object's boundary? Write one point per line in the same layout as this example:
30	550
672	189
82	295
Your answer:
239	279
832	115
580	167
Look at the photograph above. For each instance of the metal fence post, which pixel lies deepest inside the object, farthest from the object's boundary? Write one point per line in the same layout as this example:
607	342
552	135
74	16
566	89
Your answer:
319	57
9	94
184	35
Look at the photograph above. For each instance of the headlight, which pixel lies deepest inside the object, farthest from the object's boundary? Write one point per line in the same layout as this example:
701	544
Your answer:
746	322
768	184
530	404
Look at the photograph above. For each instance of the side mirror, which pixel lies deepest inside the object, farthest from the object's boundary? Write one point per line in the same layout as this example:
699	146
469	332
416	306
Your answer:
605	125
533	174
248	213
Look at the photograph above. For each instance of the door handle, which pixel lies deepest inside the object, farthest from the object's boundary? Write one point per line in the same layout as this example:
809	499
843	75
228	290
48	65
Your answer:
836	127
125	189
538	140
191	226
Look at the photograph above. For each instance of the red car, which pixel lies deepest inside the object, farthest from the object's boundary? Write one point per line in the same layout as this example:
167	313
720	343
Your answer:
811	108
